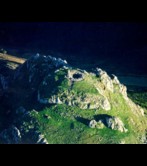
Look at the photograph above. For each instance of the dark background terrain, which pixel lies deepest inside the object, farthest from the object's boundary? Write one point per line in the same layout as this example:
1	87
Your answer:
118	47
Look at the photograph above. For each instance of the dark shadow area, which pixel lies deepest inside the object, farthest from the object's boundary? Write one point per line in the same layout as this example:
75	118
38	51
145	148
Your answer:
83	120
117	47
77	76
4	70
72	126
102	117
136	89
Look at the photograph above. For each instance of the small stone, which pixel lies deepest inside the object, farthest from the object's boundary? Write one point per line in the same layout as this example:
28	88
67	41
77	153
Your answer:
100	125
93	124
41	139
105	79
122	142
115	80
47	116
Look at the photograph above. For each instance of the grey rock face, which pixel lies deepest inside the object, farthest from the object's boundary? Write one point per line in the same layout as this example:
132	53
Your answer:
36	68
98	125
75	75
105	79
11	135
92	124
144	139
122	88
123	91
115	80
41	139
115	124
122	142
87	102
105	104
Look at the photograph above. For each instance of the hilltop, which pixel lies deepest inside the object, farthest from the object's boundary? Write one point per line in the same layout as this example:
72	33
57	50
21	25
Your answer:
48	101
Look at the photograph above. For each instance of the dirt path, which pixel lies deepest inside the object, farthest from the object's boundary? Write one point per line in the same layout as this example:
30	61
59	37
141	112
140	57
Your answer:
11	58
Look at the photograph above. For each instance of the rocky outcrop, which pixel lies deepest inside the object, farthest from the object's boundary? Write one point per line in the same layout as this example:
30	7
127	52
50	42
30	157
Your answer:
115	123
83	102
33	71
11	135
105	104
75	75
113	84
119	87
38	72
92	124
98	125
123	91
105	79
115	80
41	139
144	139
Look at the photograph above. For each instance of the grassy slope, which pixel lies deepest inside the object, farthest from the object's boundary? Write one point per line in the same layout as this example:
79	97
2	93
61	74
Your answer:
64	124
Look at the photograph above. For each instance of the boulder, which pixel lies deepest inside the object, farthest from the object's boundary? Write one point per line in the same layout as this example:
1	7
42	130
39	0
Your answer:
92	124
41	139
100	124
115	123
123	91
105	104
36	68
105	79
122	142
144	139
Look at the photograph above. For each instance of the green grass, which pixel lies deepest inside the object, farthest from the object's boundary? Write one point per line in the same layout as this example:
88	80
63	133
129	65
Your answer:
86	85
64	127
62	124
